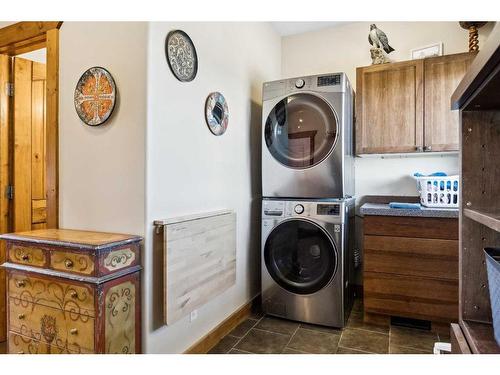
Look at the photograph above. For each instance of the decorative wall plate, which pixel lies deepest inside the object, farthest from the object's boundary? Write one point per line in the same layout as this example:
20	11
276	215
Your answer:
217	113
181	55
95	96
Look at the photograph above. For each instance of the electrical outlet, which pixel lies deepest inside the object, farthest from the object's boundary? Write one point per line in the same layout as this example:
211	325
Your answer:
193	315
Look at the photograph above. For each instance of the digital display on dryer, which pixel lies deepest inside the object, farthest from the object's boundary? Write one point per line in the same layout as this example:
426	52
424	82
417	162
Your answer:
328	209
329	80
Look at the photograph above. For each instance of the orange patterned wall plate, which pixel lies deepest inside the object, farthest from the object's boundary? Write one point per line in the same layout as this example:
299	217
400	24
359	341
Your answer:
95	96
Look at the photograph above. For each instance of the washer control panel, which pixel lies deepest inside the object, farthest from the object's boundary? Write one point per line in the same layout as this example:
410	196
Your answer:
327	211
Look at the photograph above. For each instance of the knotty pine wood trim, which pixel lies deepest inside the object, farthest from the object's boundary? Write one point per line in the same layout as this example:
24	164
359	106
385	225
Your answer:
25	37
52	129
212	338
4	182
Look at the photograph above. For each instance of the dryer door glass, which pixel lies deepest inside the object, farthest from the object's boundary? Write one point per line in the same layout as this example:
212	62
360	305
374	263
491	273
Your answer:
300	256
301	131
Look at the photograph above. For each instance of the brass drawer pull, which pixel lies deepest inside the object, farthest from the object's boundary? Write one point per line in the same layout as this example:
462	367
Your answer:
25	257
20	352
21	283
74	294
73	331
20	316
68	263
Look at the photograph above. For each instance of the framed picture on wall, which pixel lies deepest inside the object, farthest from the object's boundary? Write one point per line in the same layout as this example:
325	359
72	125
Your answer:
431	50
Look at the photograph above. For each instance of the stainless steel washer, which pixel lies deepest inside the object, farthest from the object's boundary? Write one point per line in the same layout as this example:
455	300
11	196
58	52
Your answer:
307	259
307	141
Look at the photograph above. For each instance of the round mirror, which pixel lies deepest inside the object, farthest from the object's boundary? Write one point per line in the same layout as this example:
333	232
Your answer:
216	113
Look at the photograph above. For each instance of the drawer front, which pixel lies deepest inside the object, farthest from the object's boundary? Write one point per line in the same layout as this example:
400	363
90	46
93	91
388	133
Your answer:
19	344
412	256
55	327
410	296
415	227
117	259
72	262
60	295
27	255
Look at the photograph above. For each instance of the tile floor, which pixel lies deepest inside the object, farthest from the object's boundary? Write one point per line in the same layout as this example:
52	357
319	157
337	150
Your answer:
265	335
268	335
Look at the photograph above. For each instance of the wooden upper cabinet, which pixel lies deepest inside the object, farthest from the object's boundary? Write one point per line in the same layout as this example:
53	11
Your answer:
404	107
442	76
389	107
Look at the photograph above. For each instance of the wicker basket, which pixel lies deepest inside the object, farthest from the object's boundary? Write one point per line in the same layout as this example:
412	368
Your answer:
492	256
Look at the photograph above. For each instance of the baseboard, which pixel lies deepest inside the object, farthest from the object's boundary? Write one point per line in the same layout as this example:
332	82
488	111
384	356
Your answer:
212	338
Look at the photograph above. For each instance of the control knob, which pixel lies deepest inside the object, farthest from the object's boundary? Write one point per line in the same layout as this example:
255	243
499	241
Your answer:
300	83
299	209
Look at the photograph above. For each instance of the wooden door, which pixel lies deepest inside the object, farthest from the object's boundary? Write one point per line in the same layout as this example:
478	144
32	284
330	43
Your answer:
4	180
389	108
442	76
29	165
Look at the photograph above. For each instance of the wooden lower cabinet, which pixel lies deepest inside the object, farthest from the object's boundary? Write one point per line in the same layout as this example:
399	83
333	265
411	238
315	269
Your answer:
409	276
52	310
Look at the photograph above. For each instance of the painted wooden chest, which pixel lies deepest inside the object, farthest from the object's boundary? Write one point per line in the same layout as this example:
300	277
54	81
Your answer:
72	291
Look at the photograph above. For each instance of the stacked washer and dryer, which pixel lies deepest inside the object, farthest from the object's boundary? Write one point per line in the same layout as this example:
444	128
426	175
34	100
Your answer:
308	204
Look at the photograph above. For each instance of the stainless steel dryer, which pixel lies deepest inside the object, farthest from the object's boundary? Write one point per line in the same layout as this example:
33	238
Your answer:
307	141
307	259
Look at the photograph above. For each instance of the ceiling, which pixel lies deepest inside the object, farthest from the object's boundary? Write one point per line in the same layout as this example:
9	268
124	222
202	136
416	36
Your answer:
282	28
292	28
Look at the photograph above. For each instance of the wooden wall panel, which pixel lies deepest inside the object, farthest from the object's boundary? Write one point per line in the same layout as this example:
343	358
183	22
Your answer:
200	262
22	145
52	128
4	181
38	144
29	166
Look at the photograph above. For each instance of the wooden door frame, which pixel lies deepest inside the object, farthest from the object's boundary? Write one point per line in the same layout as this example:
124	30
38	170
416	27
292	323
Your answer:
25	37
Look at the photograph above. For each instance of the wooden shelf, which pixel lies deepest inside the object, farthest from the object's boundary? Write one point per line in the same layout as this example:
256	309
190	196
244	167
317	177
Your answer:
490	219
480	337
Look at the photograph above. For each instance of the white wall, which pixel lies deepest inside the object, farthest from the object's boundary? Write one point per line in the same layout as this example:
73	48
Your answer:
345	47
102	169
189	170
39	55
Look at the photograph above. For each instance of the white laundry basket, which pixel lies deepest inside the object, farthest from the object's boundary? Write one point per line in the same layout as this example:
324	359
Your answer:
441	192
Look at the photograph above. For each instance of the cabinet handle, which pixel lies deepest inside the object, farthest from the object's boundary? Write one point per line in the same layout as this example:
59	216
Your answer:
20	352
73	331
25	257
20	316
21	283
427	148
418	148
73	294
68	263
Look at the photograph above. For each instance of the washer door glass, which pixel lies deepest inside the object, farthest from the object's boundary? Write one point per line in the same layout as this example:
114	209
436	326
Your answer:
300	256
301	131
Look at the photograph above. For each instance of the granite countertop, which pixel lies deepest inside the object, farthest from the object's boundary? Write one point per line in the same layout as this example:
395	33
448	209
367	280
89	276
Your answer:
384	210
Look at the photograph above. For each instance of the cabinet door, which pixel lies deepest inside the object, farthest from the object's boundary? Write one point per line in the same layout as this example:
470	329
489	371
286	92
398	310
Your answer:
389	108
442	76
